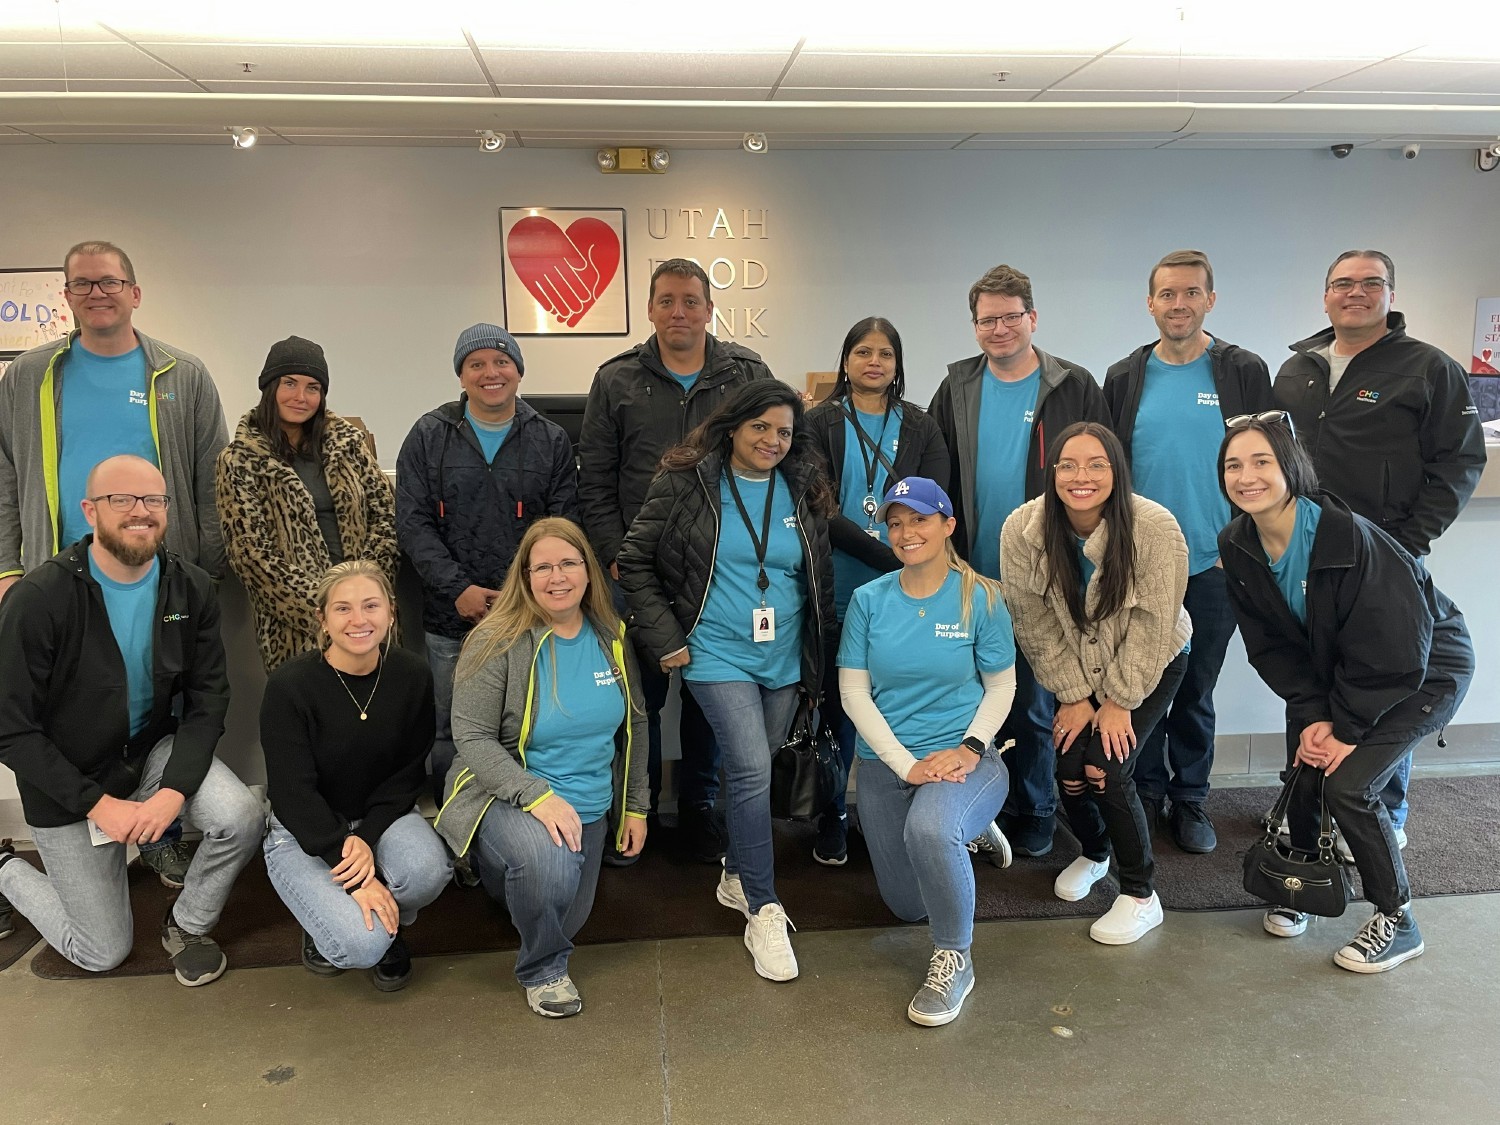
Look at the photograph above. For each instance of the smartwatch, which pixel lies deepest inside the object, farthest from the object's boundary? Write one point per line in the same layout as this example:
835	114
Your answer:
973	745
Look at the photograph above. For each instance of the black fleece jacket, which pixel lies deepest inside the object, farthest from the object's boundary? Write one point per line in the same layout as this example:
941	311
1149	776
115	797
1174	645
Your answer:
65	700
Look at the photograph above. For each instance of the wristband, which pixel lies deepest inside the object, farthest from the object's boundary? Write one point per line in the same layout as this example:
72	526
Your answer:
973	745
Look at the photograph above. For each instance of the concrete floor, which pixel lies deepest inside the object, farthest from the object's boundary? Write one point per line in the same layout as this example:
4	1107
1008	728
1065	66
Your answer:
1205	1020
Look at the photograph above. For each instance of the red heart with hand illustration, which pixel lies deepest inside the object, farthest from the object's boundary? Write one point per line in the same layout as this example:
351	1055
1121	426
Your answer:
564	271
1487	355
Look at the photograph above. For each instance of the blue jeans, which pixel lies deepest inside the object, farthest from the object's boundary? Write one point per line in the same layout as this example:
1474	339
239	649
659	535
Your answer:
1030	761
547	889
81	905
917	836
1177	757
750	723
412	863
442	658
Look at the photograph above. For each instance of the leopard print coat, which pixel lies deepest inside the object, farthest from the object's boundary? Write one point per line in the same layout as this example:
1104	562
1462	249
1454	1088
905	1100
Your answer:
271	530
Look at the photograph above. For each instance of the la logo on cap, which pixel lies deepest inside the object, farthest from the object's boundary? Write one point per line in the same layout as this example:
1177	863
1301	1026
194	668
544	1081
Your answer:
902	489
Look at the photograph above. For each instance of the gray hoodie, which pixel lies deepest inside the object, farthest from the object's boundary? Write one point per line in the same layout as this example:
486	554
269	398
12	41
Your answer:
187	424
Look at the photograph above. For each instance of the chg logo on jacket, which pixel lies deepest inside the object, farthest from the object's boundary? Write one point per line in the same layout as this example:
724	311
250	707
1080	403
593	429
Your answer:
1371	397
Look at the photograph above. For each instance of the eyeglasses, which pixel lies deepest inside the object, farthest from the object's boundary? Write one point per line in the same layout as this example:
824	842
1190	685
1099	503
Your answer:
1096	470
109	286
126	501
1265	417
1368	284
1010	320
567	566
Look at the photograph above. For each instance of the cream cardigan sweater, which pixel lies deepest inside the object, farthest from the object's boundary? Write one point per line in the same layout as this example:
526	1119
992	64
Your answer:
1123	658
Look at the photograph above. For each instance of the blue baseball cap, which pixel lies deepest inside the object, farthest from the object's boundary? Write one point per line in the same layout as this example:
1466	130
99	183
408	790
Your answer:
920	494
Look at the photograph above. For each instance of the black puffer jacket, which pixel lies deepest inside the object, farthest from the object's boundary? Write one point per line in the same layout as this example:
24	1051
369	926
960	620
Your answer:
667	562
920	452
636	411
1381	644
460	519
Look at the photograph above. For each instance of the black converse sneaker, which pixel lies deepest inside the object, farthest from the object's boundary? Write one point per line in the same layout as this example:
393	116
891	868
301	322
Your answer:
7	913
1382	943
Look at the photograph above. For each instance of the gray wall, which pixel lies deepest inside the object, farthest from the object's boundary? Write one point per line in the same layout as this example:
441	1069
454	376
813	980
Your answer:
384	254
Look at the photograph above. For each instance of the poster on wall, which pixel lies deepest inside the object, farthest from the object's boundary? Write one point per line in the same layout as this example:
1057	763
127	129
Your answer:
32	310
1486	357
564	271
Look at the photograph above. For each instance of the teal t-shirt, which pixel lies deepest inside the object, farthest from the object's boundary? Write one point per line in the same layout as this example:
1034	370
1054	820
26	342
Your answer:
491	436
106	411
580	705
850	573
1290	571
924	662
1175	450
1005	414
686	382
720	647
1085	568
132	611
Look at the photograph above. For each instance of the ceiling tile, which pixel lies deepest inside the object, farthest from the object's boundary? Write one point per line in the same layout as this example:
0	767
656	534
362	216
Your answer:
1422	76
1120	72
78	60
643	93
1254	96
806	94
1371	97
953	72
368	89
37	21
631	69
283	63
327	22
1062	144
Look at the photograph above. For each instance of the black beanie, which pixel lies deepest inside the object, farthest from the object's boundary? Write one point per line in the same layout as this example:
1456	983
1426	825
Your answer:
294	356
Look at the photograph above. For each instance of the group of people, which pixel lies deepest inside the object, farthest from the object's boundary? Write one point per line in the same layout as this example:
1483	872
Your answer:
1024	591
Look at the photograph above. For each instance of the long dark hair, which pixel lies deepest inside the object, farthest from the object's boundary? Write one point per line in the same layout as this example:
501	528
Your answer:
268	421
1117	573
751	400
1296	466
897	390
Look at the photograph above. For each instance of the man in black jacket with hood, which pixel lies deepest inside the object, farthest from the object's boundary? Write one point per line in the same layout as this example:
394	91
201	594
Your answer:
111	704
1387	420
643	402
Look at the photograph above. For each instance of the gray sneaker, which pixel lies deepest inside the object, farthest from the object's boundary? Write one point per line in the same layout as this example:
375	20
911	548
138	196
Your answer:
170	862
950	978
196	958
992	844
557	999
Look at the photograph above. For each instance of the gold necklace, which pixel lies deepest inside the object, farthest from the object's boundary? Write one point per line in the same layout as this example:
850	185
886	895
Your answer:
364	712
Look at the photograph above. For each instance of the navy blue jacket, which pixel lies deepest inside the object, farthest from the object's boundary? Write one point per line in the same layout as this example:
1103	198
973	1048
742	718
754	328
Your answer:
460	519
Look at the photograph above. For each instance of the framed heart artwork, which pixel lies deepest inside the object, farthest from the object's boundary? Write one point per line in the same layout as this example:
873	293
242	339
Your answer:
564	271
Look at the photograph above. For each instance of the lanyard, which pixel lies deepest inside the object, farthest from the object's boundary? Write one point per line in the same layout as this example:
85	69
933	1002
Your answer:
762	583
873	456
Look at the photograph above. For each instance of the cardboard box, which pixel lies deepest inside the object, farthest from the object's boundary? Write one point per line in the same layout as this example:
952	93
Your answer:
820	384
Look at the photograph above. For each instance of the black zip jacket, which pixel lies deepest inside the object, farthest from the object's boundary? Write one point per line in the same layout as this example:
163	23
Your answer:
920	452
1241	379
636	411
1399	439
1381	645
65	701
460	519
1068	394
667	563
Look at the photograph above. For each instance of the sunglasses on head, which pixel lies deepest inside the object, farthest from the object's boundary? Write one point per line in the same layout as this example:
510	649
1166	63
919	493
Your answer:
1265	417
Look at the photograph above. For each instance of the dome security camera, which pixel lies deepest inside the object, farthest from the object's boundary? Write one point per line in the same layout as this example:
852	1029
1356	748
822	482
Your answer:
1410	151
1341	151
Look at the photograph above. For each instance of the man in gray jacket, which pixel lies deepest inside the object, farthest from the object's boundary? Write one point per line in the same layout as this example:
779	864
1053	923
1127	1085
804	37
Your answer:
105	390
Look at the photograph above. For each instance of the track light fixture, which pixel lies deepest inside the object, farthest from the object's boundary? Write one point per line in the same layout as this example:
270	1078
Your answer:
491	141
754	142
243	136
632	160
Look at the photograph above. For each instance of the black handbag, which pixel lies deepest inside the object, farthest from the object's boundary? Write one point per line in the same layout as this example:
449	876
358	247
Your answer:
807	772
1276	873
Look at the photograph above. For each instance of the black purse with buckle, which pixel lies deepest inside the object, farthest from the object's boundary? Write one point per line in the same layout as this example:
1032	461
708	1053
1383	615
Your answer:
807	772
1284	877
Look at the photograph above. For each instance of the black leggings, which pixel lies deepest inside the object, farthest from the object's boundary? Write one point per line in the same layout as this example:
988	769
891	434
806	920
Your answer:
1105	811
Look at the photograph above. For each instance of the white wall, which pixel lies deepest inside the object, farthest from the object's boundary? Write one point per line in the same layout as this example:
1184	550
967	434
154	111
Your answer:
383	255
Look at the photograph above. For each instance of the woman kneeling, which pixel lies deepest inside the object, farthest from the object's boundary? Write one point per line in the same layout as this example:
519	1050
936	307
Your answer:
551	734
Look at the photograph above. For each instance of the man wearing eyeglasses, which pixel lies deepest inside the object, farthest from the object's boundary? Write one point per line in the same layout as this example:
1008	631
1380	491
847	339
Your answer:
998	412
1170	401
1387	420
97	643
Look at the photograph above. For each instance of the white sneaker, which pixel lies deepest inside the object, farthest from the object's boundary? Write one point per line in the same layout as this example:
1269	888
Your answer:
1283	921
1127	921
1079	877
765	938
1400	839
731	893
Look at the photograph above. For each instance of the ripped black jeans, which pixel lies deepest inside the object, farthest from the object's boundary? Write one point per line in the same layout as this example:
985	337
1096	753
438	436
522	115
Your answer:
1098	793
